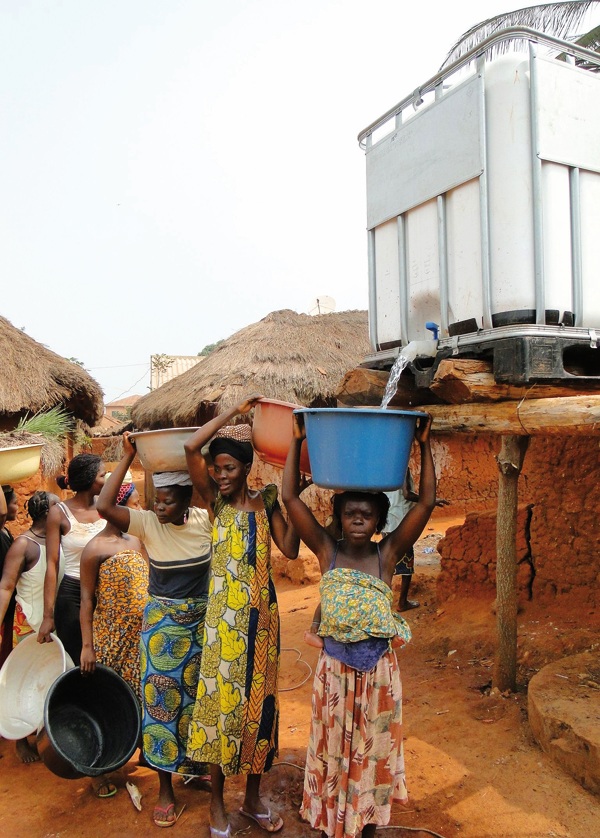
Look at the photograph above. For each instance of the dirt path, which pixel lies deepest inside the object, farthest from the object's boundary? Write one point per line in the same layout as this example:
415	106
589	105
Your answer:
473	768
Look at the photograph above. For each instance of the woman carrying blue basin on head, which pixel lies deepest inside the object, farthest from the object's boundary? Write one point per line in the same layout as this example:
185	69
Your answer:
355	763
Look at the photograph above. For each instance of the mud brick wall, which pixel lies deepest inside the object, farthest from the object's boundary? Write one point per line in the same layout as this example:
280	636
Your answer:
24	490
466	469
561	479
560	535
468	555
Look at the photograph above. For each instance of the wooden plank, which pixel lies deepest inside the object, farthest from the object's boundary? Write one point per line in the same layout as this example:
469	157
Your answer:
456	381
463	380
572	415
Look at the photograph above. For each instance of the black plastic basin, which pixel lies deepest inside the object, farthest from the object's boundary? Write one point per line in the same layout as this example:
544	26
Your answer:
92	724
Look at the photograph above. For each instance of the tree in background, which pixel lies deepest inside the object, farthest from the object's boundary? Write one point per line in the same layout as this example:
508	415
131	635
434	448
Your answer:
210	347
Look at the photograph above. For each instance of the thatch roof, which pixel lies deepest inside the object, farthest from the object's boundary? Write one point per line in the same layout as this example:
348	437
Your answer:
292	357
35	378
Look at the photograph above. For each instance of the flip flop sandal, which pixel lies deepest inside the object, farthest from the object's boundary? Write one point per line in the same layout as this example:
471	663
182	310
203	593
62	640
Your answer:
263	820
106	784
220	833
410	603
161	814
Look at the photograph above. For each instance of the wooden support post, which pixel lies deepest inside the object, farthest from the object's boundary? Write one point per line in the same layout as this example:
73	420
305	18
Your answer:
510	463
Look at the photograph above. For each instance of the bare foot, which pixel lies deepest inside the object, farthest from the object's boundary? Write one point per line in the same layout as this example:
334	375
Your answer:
27	753
312	639
410	603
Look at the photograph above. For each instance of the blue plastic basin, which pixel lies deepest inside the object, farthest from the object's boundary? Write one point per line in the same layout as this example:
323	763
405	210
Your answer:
362	450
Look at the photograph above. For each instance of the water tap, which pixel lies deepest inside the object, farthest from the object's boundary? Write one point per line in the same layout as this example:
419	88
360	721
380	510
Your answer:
433	328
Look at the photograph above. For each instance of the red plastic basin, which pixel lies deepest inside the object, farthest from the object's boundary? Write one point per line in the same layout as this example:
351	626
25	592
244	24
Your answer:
272	432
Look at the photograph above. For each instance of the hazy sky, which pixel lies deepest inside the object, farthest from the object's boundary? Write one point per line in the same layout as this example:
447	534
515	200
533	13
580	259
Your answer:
174	170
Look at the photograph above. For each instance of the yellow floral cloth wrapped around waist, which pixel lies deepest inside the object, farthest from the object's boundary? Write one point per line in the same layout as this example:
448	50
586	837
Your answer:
356	605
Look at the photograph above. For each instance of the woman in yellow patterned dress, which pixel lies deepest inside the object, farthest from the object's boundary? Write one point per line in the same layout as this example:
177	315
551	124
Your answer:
355	763
114	573
236	717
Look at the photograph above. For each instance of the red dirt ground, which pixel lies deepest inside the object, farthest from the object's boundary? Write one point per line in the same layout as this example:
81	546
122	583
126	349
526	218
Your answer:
473	768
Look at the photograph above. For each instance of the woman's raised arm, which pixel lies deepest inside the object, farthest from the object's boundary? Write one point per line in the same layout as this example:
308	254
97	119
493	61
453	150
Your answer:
410	528
305	524
107	499
53	533
284	535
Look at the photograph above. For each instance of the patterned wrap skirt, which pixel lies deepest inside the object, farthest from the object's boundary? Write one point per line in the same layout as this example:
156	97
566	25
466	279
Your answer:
121	596
170	652
21	628
355	760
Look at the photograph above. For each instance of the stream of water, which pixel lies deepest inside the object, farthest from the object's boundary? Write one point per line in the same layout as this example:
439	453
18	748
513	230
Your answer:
392	382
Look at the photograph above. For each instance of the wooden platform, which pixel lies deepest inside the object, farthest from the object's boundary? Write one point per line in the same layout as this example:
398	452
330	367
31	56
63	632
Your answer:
463	397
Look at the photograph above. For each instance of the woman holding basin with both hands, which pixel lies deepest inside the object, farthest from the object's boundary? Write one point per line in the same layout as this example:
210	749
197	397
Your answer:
236	718
23	572
355	762
177	539
70	526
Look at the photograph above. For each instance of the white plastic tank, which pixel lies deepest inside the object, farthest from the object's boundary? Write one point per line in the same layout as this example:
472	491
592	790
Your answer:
590	245
508	131
463	169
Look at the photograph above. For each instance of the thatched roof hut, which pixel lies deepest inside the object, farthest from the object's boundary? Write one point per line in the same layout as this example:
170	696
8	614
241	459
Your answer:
292	357
35	378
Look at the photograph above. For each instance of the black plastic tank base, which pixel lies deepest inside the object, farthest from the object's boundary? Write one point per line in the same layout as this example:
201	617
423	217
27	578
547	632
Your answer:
525	360
92	724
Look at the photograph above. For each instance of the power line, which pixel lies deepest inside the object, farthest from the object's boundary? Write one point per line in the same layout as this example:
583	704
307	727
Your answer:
133	385
117	367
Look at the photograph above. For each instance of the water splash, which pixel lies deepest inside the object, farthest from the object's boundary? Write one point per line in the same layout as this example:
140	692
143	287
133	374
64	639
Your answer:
392	382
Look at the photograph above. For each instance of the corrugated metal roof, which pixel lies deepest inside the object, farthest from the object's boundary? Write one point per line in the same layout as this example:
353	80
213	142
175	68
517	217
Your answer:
126	401
163	368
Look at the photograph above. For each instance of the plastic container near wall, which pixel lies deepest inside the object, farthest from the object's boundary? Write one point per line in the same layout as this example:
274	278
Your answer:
25	679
